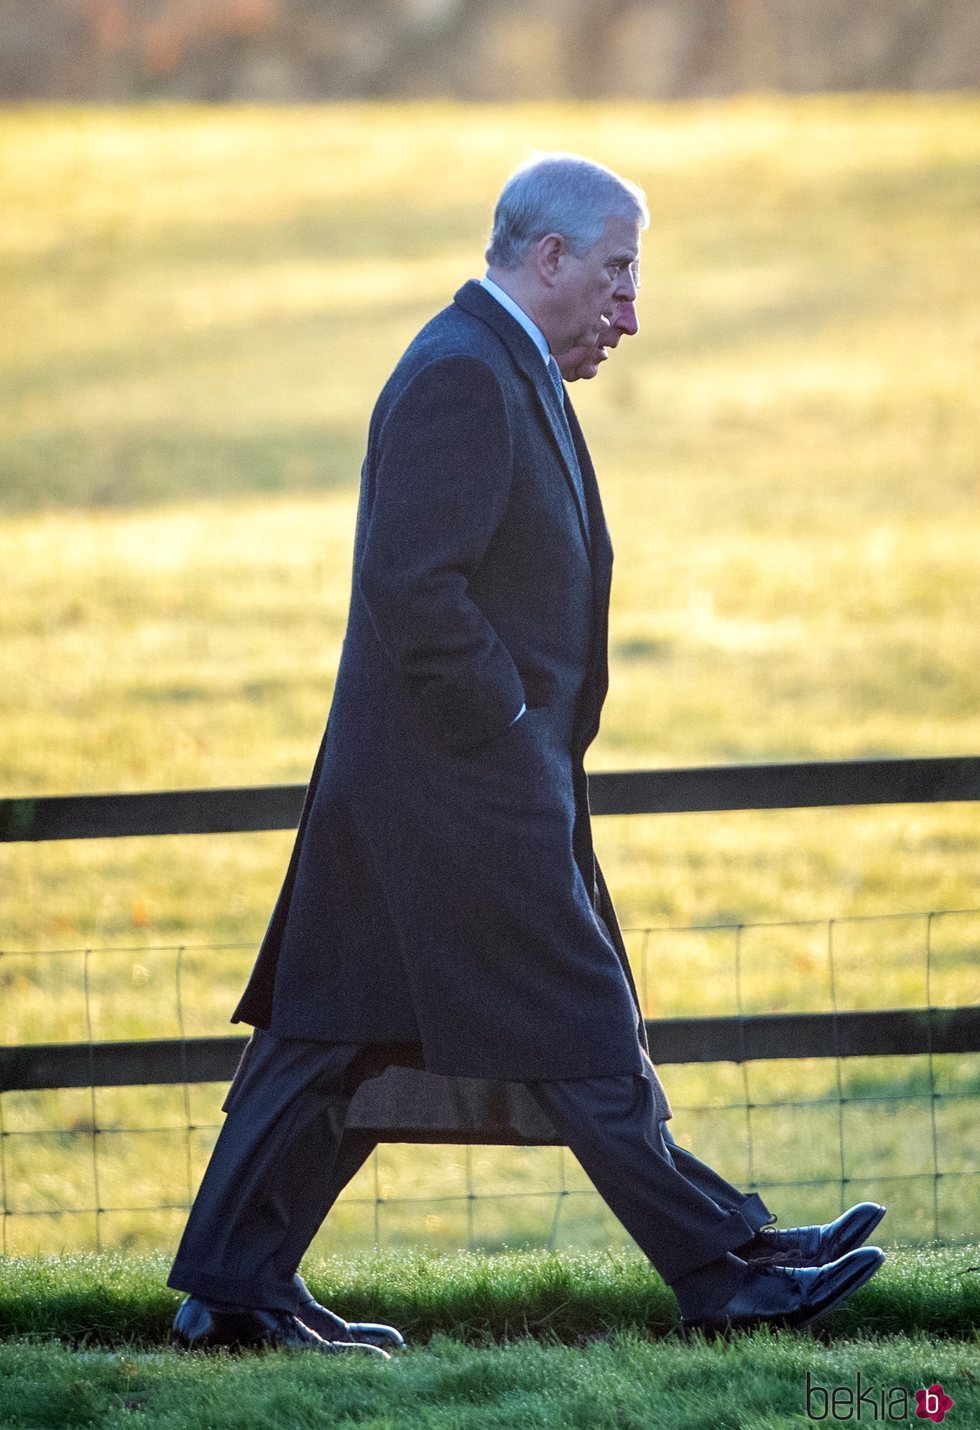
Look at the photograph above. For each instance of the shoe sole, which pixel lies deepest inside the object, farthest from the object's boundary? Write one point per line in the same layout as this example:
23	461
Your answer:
383	1338
856	1284
241	1347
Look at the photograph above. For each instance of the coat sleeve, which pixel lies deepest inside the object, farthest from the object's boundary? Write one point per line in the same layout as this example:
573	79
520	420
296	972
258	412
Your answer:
443	466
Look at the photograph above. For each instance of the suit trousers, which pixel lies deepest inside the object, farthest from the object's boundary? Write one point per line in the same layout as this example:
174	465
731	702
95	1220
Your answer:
283	1157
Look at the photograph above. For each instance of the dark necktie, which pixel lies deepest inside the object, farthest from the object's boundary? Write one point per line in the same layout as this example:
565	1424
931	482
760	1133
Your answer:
554	372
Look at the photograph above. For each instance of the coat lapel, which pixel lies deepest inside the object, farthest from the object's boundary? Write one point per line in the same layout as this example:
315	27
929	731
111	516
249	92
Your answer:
602	562
601	545
476	301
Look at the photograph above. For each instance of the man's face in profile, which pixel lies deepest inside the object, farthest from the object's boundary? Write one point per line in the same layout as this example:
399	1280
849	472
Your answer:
583	362
585	288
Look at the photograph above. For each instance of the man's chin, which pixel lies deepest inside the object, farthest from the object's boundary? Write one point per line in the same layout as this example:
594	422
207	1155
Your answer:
586	367
587	370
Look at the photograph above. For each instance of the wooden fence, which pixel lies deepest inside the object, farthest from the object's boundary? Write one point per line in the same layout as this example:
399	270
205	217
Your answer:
677	1040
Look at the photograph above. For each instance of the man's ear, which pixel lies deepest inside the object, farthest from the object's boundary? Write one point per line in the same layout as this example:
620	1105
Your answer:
548	253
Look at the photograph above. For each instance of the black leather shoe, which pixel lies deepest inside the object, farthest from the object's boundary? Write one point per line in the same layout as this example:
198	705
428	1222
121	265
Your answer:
813	1245
332	1328
777	1296
199	1326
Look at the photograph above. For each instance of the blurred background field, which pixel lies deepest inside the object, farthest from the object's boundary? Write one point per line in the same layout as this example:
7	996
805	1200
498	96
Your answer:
198	309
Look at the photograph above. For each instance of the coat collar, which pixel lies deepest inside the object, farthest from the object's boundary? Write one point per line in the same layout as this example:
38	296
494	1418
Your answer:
475	300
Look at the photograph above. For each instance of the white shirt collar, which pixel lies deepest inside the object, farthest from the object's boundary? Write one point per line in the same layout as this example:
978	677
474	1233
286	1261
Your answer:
518	314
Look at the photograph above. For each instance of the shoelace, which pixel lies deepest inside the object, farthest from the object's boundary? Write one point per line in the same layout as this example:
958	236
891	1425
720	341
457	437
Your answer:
770	1243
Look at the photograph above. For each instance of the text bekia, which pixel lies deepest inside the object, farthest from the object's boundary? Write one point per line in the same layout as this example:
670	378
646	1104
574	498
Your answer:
868	1404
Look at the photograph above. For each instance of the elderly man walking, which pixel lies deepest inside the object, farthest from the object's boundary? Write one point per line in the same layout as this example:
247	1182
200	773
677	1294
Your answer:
443	908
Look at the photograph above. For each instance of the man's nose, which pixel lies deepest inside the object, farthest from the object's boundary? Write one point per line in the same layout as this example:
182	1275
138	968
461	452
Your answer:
625	319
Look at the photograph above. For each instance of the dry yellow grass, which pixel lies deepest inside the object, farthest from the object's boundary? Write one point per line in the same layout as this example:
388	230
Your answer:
199	308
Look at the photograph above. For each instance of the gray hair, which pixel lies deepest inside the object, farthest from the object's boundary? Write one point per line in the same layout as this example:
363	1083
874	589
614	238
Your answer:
564	194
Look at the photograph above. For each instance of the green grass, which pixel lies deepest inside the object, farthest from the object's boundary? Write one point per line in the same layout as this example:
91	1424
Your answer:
199	307
102	1299
536	1340
625	1384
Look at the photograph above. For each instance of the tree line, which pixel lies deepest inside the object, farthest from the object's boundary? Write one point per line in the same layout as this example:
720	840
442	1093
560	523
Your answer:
303	50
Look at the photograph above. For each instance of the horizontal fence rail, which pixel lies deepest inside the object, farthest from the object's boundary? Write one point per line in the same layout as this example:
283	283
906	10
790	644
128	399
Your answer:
37	1067
713	788
98	1117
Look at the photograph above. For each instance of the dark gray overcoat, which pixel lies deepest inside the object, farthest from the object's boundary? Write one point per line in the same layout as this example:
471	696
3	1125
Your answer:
443	890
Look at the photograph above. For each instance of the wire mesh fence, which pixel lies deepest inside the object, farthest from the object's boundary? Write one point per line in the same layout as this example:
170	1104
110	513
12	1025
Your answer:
97	1166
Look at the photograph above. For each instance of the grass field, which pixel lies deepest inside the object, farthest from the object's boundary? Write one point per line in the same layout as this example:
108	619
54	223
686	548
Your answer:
625	1383
199	307
519	1340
